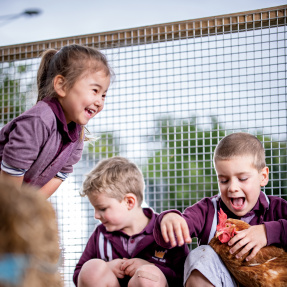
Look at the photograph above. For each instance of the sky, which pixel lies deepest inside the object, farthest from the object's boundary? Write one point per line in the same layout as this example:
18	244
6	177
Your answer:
65	18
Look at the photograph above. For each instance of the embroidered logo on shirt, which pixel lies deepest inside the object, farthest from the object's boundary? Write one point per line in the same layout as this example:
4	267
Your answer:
158	255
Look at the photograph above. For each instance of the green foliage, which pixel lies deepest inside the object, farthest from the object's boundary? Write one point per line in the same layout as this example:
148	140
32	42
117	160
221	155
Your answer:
11	100
181	172
276	160
106	146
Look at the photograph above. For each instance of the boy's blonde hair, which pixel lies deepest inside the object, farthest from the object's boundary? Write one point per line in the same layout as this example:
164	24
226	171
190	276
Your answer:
241	144
115	177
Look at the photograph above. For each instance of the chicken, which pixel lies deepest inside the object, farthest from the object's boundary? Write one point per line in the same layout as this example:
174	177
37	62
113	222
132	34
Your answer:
29	241
268	268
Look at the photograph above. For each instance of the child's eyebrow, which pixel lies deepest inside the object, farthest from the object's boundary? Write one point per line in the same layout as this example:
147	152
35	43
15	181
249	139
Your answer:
97	85
99	205
238	174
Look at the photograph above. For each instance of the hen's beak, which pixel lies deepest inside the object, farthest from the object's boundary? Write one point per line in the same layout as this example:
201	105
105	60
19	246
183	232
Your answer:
218	233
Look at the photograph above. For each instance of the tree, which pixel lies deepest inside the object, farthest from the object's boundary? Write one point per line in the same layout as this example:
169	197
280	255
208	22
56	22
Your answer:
104	147
276	160
12	101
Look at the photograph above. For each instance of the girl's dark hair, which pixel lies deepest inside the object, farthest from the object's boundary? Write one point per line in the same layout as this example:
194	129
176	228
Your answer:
70	62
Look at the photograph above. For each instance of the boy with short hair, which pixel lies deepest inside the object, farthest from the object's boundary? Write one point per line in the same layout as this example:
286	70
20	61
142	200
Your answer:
122	249
239	161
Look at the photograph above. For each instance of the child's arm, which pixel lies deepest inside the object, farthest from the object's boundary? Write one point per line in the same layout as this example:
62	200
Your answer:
50	187
47	190
174	229
252	238
16	180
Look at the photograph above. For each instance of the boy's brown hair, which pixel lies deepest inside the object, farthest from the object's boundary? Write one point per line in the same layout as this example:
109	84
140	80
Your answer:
241	144
115	177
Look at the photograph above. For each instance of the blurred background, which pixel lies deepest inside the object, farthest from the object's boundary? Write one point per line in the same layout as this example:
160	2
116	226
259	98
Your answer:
185	77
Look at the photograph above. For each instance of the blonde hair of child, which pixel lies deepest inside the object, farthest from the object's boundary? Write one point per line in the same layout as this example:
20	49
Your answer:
115	177
241	144
71	62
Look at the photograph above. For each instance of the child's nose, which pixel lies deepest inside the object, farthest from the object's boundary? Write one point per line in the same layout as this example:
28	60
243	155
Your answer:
99	102
97	215
233	186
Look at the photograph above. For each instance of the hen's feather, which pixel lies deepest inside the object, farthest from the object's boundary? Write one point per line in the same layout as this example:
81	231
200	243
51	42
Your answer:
267	269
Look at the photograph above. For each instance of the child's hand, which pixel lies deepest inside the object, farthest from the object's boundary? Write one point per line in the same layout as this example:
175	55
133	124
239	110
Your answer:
130	266
174	229
252	238
115	266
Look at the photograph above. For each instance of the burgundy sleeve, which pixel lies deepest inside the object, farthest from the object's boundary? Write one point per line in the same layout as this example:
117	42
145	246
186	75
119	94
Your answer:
26	138
276	229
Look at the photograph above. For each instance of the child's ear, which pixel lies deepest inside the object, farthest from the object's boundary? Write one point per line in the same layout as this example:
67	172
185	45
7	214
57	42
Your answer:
59	86
130	200
265	176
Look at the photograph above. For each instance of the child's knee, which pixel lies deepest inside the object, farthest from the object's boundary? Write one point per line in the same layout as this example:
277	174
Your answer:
148	276
196	278
88	276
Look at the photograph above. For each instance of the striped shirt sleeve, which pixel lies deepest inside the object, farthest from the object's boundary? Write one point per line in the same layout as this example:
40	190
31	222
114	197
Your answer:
12	170
20	171
62	175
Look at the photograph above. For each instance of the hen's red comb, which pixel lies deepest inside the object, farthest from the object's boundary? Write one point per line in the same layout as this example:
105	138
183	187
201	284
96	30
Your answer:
222	217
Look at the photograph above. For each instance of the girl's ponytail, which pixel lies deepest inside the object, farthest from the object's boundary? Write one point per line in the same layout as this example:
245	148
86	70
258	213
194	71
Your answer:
42	74
70	62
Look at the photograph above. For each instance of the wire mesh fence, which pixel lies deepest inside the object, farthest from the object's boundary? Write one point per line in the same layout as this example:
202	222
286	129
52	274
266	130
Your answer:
179	88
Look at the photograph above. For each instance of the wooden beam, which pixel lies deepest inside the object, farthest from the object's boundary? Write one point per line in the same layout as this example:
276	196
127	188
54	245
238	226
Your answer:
231	23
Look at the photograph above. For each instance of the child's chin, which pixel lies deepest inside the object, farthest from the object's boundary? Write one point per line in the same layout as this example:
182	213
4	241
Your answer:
111	228
240	212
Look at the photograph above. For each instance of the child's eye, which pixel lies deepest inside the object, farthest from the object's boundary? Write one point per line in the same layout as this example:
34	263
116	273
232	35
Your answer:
243	179
222	181
95	91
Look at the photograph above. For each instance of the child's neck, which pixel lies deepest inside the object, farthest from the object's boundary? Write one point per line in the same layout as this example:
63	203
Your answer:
138	222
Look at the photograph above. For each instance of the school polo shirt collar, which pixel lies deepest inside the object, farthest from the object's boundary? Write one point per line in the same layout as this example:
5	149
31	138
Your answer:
70	132
261	204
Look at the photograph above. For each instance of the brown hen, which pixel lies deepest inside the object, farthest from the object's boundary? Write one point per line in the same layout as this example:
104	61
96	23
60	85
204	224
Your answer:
267	269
